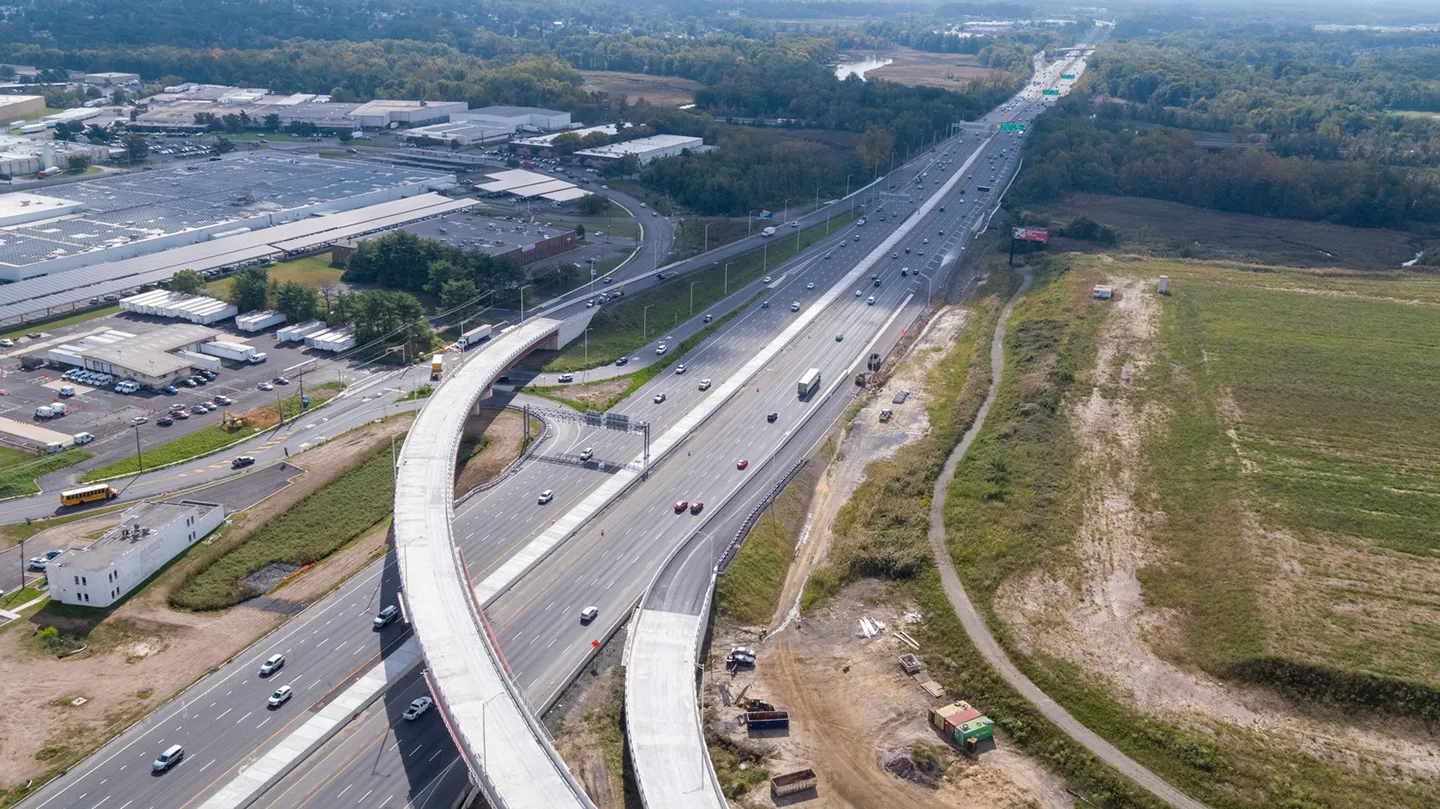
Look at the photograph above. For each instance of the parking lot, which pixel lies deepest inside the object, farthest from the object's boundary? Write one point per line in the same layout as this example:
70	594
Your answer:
109	414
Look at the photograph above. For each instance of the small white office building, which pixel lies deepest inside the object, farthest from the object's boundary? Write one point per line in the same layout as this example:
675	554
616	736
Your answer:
147	538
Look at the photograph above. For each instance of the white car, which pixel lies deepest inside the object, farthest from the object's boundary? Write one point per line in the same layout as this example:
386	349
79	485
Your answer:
810	285
661	349
765	280
680	369
589	614
545	497
281	696
587	454
704	384
417	708
272	664
659	397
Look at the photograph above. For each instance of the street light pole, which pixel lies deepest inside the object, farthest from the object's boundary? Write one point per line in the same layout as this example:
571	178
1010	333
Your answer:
785	214
692	297
707	237
727	277
139	459
522	301
645	323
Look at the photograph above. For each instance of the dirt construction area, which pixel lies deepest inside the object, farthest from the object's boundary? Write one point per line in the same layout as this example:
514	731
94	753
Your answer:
870	440
143	652
951	71
859	721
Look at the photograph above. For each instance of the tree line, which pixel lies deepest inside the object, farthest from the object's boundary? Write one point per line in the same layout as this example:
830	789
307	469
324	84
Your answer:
1068	150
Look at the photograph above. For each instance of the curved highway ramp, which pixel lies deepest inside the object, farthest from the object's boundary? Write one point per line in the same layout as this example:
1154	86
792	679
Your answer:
504	746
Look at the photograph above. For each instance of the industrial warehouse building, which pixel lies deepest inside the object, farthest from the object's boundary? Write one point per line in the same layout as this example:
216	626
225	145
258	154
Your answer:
50	295
147	538
645	149
176	109
112	78
20	156
520	242
519	119
16	107
129	215
154	359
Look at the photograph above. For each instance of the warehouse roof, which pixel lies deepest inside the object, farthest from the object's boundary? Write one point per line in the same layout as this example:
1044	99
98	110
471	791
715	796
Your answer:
149	353
36	295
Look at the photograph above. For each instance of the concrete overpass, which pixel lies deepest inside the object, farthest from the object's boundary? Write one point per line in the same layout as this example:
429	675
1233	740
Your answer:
506	749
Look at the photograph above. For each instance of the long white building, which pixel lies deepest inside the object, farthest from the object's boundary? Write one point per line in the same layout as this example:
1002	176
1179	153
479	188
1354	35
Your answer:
147	538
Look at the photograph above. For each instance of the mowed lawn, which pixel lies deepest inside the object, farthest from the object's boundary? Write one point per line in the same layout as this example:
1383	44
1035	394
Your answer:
1330	384
311	271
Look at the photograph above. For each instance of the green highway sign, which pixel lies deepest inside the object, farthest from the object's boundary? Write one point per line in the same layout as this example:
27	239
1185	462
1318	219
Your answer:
1012	127
1067	75
1050	92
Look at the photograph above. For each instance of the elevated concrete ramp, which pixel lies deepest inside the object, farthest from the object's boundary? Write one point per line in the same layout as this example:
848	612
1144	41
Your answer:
504	746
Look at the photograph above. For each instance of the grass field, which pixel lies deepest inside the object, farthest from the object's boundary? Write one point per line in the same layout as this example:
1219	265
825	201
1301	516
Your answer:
750	588
690	235
617	330
311	271
1169	229
19	470
208	439
1326	382
952	71
658	90
55	323
357	500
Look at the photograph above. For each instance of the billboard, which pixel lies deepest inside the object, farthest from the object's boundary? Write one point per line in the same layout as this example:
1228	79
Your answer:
765	215
1067	75
1030	235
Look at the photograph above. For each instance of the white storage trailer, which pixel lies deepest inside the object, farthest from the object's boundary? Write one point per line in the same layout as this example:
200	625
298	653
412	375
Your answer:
474	336
300	331
259	321
227	350
199	360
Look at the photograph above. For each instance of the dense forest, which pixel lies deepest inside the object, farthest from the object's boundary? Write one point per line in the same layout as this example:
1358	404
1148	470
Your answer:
1068	150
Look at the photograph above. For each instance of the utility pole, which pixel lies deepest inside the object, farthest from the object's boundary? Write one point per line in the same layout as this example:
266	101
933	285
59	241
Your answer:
645	323
707	237
139	459
692	297
727	277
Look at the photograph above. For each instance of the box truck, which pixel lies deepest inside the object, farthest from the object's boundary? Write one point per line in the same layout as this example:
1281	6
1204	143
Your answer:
475	336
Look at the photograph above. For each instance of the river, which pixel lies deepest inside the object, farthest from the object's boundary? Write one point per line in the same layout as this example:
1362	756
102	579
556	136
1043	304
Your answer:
862	67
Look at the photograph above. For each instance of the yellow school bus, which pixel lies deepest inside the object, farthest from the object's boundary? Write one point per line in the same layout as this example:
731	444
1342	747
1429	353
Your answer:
88	494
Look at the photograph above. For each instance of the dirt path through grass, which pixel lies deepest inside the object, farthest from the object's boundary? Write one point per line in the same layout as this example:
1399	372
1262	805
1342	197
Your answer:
975	625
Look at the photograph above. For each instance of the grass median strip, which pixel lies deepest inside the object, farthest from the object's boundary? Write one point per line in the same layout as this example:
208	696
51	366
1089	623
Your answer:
214	437
750	588
19	470
620	328
583	402
347	507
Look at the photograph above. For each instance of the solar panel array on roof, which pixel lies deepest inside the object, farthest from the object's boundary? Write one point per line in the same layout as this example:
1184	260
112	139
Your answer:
38	297
196	195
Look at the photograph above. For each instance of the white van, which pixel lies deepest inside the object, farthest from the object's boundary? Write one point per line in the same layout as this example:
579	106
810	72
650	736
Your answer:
82	438
44	412
59	408
66	391
54	447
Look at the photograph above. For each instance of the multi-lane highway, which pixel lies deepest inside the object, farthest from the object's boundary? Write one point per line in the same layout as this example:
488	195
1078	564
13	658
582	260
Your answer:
609	561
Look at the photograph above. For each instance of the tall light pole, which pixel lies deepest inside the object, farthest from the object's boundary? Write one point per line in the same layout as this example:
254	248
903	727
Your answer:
727	277
785	214
692	297
929	285
749	220
645	323
707	237
847	184
522	301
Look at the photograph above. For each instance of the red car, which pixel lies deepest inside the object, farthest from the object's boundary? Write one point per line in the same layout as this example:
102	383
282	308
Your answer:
681	505
696	506
741	464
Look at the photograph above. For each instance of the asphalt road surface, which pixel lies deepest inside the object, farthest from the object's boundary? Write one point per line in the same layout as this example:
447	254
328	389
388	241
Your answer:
222	720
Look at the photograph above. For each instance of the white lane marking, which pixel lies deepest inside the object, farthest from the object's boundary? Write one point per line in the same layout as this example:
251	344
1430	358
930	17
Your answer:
366	795
222	716
102	800
208	763
343	791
